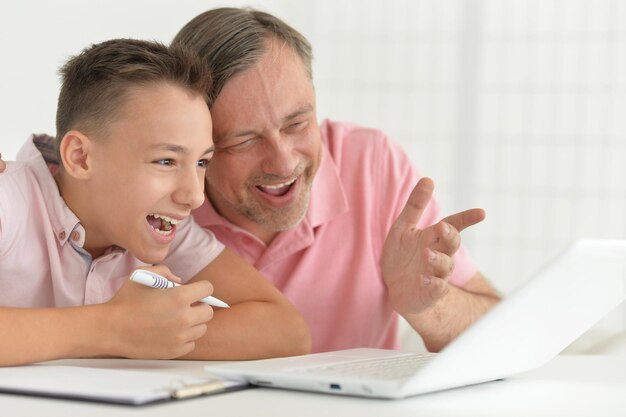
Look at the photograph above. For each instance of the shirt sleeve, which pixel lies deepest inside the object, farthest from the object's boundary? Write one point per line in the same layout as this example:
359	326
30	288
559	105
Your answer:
192	250
2	216
5	214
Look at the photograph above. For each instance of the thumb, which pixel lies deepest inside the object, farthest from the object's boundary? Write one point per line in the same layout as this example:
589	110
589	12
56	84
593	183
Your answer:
196	290
417	202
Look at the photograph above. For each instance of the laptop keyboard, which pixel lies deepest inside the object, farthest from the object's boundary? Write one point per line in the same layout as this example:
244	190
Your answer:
395	367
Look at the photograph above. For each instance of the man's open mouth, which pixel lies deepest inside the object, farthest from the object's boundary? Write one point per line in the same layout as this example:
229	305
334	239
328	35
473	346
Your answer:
162	224
277	189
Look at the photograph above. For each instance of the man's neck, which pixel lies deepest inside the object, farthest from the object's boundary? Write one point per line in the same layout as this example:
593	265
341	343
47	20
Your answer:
262	233
250	226
267	236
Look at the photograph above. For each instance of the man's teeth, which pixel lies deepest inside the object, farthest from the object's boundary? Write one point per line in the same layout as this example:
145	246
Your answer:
277	186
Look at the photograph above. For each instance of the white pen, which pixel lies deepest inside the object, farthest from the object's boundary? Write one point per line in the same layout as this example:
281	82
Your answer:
151	279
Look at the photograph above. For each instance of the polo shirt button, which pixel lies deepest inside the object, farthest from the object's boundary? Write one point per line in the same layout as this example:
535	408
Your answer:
75	236
62	235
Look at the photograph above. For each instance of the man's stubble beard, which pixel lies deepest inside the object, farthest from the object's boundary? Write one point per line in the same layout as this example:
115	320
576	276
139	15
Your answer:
278	219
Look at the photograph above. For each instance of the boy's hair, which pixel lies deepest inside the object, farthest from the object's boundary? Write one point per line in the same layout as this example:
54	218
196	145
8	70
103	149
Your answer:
96	82
231	40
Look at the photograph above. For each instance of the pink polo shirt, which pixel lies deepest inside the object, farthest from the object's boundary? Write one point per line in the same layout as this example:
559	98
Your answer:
42	260
329	264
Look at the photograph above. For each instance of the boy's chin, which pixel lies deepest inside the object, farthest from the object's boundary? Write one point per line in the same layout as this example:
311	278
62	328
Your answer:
153	257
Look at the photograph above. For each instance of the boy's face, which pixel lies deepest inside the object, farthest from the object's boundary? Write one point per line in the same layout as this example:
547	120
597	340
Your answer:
147	172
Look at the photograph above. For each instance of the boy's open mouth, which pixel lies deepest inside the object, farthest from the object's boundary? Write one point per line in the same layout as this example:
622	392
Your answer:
162	224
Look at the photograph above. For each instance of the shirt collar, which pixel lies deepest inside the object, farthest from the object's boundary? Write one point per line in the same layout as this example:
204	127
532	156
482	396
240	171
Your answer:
39	153
328	199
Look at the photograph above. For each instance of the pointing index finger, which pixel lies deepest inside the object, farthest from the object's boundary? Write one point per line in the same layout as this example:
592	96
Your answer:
465	219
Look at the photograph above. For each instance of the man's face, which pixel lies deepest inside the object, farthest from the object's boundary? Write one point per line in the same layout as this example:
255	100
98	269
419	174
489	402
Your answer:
148	172
267	145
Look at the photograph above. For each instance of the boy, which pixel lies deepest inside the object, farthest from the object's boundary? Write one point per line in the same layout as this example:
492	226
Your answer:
133	141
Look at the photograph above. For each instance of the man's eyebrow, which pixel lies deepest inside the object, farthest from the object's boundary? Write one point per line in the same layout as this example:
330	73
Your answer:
307	108
221	138
177	148
300	111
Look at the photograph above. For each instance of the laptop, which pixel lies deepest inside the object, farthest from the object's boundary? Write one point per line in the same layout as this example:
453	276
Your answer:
522	332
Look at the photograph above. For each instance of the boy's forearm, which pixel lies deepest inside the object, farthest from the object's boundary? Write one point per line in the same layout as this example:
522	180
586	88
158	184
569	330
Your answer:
38	334
261	322
253	330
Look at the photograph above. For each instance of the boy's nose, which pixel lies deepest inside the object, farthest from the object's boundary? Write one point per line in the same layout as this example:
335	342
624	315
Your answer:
191	190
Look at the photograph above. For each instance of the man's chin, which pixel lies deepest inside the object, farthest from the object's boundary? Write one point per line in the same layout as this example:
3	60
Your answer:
276	221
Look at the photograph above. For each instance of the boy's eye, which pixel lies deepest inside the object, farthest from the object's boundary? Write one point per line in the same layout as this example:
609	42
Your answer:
203	163
164	162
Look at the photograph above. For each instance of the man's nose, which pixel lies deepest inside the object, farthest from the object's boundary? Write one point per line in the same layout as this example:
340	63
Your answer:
280	158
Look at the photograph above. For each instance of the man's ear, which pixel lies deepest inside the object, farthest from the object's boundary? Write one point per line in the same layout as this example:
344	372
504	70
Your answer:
74	149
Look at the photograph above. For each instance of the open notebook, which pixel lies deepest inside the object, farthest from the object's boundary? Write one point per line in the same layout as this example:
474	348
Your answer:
527	329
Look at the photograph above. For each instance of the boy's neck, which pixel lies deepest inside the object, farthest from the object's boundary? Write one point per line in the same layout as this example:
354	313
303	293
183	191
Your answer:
73	194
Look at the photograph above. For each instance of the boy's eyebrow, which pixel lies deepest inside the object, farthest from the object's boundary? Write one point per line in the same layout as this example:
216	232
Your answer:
178	148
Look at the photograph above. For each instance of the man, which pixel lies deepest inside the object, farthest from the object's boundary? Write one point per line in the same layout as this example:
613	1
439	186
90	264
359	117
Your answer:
315	208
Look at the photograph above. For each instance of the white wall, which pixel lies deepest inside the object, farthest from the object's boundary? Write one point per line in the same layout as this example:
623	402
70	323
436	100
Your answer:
518	106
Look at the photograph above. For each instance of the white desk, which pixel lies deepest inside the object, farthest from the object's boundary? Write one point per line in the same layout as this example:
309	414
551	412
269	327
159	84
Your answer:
567	386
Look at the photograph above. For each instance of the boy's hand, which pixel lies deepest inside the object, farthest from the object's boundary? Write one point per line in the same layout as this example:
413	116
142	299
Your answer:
152	323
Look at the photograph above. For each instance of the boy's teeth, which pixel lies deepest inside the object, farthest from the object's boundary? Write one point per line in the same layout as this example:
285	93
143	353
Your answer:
166	218
164	232
163	227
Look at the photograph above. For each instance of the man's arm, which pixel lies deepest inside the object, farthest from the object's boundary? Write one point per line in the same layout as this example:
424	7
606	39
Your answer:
138	322
416	264
454	312
260	322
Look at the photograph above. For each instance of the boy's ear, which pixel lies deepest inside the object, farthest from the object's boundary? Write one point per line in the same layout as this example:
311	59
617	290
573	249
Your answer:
74	149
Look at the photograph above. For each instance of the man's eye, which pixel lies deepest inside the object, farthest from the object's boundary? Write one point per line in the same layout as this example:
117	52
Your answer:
294	127
242	145
203	163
